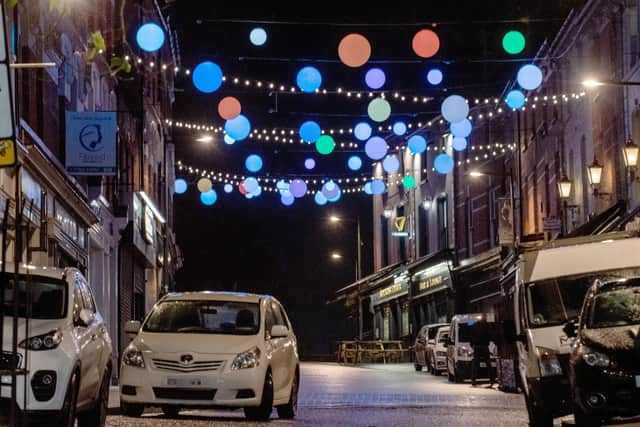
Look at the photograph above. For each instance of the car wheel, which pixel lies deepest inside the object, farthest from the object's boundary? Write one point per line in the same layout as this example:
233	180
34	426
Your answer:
537	416
262	412
67	417
290	410
418	367
97	416
171	411
585	420
131	409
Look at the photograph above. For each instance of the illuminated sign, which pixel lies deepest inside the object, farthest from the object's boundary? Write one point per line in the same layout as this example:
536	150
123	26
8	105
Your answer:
430	282
390	290
400	223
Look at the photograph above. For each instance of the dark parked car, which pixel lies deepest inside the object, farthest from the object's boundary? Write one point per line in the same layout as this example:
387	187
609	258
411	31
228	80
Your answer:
605	362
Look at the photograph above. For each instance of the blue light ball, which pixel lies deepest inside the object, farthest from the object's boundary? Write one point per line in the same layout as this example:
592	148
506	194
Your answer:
228	140
330	189
253	163
399	128
180	186
228	188
309	164
336	197
530	77
367	188
375	78
434	77
354	163
207	77
376	148
209	198
417	144
454	109
461	129
310	131
459	144
320	199
362	131
378	187
391	164
516	99
443	163
258	36
309	79
238	128
287	200
251	184
150	37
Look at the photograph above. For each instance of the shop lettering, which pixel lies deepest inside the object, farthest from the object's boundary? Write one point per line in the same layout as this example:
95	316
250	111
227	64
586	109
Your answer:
390	290
431	282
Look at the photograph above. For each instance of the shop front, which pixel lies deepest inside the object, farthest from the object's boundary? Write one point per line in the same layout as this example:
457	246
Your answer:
390	307
477	283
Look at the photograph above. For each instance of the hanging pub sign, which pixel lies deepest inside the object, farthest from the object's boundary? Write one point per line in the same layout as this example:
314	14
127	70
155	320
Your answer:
91	143
7	128
400	224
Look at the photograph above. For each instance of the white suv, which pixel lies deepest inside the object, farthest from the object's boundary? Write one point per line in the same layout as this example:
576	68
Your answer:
66	344
212	349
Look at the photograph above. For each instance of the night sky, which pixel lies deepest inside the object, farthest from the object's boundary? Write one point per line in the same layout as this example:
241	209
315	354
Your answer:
259	245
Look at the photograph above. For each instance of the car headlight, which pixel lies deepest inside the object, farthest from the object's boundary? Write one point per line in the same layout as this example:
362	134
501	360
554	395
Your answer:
595	358
549	362
465	352
247	359
133	357
47	341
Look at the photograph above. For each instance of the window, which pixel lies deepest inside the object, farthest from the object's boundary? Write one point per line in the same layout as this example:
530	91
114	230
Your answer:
78	302
87	298
469	227
269	320
384	237
279	317
443	226
402	246
48	297
423	237
493	217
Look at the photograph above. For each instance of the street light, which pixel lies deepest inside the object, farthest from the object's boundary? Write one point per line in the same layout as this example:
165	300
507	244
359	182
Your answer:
594	171
630	153
564	187
205	139
336	255
592	83
334	218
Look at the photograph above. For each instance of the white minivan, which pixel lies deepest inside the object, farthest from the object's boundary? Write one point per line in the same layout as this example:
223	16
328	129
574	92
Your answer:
65	341
212	350
459	348
552	280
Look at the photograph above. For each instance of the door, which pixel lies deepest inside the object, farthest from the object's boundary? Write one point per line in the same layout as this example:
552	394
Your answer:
91	348
280	359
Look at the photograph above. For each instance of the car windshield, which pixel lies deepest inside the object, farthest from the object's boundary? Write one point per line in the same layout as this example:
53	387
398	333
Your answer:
38	297
443	337
464	332
619	307
204	317
554	302
432	332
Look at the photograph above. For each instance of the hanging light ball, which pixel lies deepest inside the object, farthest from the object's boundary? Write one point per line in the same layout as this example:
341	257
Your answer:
320	199
209	198
336	197
228	140
426	43
325	145
310	131
204	185
229	108
391	164
454	109
298	188
150	37
435	77
207	77
354	163
287	200
367	188
309	164
330	189
228	188
399	128
180	186
408	182
309	79
238	128
379	109
443	163
362	131
459	144
253	163
516	99
251	184
258	36
417	144
530	77
462	128
375	78
354	50
378	187
376	148
513	42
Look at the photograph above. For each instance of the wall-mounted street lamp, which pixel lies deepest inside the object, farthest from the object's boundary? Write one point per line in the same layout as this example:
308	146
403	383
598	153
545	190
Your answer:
564	187
630	153
426	203
387	213
594	173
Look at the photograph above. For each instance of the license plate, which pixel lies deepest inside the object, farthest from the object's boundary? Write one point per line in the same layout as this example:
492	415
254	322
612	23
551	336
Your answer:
638	381
184	382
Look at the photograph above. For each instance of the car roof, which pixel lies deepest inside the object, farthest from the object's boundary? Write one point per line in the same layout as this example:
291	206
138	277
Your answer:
215	296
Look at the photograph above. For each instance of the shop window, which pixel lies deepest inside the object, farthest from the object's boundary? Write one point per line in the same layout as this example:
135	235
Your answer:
443	223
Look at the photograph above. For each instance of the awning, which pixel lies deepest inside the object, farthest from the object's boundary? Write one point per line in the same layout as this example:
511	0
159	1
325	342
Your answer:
479	276
601	223
368	282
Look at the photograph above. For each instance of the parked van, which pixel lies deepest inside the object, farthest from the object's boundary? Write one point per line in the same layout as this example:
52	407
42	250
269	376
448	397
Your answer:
552	280
423	346
459	347
439	351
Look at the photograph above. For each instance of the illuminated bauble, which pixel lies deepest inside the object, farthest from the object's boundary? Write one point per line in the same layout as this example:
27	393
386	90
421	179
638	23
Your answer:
367	188
209	198
399	128
378	187
417	144
249	196
376	148
513	42
310	131
228	188
257	193
530	77
228	140
241	188
362	131
320	199
336	197
229	108
461	129
408	182
298	188
253	163
354	163
443	163
459	144
354	50
207	77
434	77
150	37
309	79
180	186
516	99
325	144
330	189
238	128
455	108
282	186
375	78
391	164
379	109
204	185
426	43
251	184
287	200
258	36
309	163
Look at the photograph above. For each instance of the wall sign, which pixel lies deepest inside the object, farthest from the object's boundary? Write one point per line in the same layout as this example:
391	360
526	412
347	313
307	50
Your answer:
7	128
400	224
91	143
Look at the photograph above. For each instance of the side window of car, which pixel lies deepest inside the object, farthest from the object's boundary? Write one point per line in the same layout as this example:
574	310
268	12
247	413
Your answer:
87	298
269	320
279	316
78	303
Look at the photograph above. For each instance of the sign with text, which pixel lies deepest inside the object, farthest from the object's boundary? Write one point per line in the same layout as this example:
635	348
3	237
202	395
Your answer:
7	140
506	229
91	143
551	224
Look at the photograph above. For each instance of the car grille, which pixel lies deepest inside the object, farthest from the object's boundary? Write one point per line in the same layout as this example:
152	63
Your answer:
9	360
177	393
176	366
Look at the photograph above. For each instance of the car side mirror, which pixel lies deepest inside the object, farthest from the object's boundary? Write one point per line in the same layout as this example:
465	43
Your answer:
279	331
86	317
131	328
570	329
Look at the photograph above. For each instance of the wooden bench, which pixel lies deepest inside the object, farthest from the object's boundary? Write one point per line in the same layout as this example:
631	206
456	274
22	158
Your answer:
356	352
